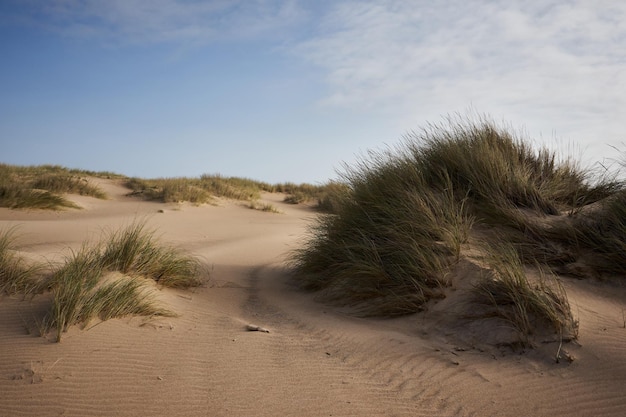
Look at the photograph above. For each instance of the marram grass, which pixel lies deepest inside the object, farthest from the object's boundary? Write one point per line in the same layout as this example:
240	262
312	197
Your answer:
42	187
526	305
16	275
405	214
80	295
83	289
135	250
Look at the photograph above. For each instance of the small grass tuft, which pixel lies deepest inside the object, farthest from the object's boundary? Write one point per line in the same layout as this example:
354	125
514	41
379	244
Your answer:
267	207
135	250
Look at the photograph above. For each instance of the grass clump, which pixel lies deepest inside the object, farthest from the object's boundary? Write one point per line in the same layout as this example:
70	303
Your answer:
597	236
80	294
135	250
63	184
42	187
203	189
527	306
170	190
388	248
15	275
111	279
404	215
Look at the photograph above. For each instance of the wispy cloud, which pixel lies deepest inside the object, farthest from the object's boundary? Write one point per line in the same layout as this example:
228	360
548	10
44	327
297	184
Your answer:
532	59
154	21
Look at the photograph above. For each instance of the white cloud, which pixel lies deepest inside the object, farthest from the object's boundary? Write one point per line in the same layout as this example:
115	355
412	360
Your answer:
553	64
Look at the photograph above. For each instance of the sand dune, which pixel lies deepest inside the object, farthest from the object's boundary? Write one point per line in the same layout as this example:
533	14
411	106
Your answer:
316	360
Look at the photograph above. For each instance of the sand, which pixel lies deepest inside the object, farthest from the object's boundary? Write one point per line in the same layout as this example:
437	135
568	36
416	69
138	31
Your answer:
316	360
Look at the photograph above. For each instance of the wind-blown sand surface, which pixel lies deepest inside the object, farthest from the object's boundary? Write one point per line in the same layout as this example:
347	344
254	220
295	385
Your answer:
315	361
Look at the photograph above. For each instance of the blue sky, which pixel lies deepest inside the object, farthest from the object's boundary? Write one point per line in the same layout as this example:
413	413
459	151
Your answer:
288	90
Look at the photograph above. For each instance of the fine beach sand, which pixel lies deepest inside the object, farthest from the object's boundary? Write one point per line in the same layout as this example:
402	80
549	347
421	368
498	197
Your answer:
316	360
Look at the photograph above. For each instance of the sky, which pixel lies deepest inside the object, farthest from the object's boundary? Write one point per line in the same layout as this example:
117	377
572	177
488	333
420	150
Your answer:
293	90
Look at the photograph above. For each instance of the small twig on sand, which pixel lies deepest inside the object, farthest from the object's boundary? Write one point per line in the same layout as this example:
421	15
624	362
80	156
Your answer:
558	352
254	328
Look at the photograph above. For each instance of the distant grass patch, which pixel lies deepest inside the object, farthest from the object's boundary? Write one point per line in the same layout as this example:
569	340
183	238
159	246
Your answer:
42	187
204	189
195	190
267	207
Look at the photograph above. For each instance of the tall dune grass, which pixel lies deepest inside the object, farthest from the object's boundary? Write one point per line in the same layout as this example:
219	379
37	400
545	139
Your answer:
388	248
499	170
16	276
598	236
407	212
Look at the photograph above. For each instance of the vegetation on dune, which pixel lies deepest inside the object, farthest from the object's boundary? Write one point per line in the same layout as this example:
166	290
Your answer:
135	250
526	305
16	276
255	205
43	186
80	293
392	231
202	190
392	240
113	278
402	220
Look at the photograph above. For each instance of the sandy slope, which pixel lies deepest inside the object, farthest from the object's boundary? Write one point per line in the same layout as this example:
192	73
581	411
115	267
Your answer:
316	360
